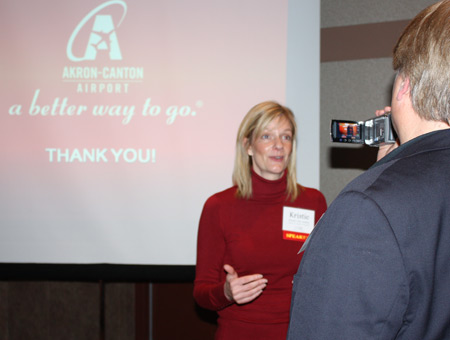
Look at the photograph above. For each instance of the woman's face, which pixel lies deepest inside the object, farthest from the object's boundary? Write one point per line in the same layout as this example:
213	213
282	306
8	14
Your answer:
271	150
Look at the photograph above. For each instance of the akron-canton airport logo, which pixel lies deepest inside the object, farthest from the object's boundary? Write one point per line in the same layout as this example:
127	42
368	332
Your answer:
101	39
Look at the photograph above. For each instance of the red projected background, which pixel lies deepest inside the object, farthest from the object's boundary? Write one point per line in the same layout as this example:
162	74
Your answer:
118	120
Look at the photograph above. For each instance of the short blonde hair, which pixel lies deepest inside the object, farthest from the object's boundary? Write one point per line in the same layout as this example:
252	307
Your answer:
422	54
254	122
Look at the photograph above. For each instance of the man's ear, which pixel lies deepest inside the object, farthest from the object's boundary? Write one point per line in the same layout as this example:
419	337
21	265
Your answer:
403	89
247	146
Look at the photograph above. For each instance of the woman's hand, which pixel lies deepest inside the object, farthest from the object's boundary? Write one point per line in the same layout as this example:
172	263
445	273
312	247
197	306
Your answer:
383	150
242	289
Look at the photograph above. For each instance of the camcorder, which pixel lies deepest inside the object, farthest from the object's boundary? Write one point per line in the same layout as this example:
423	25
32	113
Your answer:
373	132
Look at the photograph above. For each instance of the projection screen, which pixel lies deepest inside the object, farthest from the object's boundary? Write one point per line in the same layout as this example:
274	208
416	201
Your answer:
118	120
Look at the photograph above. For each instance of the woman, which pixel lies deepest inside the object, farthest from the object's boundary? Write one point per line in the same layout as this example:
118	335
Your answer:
248	244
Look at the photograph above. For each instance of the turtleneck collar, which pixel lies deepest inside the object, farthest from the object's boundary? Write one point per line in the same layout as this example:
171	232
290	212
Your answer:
264	189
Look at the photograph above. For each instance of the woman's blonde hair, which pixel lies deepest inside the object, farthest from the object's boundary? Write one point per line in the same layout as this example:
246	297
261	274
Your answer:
253	124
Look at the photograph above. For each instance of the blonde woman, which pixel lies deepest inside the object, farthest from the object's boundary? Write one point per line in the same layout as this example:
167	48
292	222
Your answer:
248	239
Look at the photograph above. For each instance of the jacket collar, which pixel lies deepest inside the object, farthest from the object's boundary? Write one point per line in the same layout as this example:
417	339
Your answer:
435	140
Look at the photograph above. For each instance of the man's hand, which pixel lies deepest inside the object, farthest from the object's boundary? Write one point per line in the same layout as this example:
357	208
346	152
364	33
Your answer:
383	150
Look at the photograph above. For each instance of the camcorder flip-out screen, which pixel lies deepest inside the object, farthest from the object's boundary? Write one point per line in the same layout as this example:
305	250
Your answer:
372	132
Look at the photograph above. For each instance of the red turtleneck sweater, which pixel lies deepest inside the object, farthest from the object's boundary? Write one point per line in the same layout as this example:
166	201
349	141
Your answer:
247	234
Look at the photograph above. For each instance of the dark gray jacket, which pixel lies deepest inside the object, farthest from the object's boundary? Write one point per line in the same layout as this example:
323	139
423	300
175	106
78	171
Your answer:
377	265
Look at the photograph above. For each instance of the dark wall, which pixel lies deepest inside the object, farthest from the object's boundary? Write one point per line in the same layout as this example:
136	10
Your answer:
41	310
50	310
176	316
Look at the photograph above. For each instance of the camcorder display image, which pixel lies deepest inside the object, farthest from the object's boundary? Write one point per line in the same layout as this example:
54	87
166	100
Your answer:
348	131
372	132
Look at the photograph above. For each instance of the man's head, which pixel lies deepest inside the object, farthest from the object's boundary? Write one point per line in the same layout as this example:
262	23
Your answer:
422	55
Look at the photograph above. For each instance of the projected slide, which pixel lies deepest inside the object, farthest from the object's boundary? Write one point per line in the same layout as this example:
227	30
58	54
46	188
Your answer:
118	119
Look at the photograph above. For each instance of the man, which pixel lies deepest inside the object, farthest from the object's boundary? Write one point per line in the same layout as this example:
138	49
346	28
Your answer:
377	265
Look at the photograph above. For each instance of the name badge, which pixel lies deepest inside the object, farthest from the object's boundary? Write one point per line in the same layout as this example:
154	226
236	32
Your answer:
297	223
